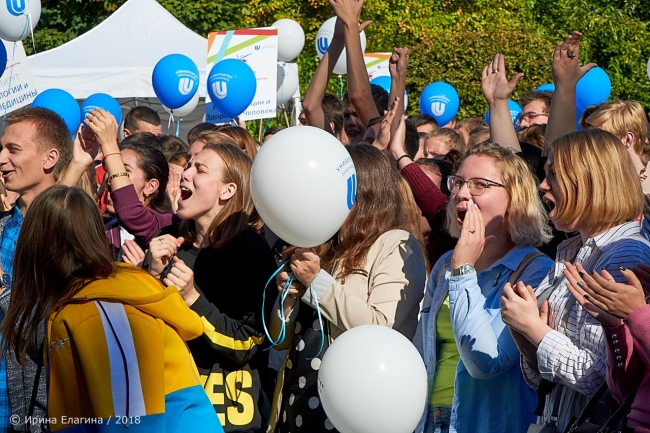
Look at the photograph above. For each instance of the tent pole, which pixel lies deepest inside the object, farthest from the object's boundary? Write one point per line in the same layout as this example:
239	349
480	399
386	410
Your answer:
261	130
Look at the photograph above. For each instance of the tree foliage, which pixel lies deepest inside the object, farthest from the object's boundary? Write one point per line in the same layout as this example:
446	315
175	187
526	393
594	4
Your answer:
451	40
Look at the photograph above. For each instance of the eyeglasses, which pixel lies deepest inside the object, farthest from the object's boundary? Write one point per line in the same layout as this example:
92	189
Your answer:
528	117
476	185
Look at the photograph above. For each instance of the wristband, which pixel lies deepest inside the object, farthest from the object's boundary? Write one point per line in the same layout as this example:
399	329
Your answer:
403	156
106	156
117	175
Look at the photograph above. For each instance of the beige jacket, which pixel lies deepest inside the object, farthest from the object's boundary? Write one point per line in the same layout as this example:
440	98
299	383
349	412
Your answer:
387	292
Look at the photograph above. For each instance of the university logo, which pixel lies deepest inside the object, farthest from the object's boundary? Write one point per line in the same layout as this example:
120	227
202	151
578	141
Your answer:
438	108
257	47
16	7
322	44
185	86
219	89
352	190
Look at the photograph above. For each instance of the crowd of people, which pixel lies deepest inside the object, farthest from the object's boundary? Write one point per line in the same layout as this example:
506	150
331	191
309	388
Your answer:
137	278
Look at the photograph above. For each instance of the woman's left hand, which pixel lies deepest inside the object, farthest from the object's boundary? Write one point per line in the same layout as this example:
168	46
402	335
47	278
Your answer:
305	265
617	300
181	276
519	311
472	238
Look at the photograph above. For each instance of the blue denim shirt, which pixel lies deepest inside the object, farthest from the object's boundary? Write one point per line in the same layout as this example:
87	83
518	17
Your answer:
7	252
490	393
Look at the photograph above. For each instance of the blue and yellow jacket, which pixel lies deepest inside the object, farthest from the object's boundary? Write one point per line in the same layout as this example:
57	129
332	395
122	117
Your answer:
117	355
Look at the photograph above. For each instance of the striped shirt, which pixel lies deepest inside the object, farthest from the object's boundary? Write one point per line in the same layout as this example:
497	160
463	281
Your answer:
575	356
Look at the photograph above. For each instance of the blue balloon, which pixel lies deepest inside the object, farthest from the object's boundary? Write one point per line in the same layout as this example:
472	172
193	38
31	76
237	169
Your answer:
440	101
175	80
593	88
63	104
384	82
231	86
550	87
3	58
515	111
104	101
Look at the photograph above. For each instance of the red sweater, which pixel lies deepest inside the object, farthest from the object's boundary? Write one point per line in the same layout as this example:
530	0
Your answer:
432	203
136	218
628	365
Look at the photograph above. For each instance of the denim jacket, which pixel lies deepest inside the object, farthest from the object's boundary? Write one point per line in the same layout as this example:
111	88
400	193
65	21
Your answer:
490	393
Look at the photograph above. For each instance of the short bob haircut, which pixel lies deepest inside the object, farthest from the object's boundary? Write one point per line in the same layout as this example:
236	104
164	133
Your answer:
595	178
526	217
619	118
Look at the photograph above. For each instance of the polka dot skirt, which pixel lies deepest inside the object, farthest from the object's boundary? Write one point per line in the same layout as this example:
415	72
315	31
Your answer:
301	410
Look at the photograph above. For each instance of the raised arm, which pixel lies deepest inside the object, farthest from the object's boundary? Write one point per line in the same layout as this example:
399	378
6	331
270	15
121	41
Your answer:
311	105
398	65
359	93
566	73
497	90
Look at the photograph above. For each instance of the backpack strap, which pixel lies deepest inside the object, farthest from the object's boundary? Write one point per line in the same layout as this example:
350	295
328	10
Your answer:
516	275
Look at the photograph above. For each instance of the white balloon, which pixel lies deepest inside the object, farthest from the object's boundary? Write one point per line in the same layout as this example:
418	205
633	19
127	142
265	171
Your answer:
287	83
186	109
303	184
373	380
15	17
291	39
323	39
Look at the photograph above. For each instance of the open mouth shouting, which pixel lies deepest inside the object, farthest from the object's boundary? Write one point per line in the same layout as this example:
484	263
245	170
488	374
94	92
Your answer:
186	193
550	205
460	215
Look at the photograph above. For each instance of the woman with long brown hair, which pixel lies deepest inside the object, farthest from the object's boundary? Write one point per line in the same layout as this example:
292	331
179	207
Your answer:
114	343
371	272
221	265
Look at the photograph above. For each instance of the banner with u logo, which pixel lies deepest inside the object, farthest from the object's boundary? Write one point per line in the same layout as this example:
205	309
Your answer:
258	48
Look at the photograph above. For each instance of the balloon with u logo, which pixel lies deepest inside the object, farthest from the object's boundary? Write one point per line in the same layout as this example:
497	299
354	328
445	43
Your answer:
18	18
175	80
307	203
231	86
104	101
440	101
323	40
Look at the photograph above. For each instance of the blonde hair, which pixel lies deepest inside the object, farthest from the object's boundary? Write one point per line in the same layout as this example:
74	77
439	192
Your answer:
596	179
620	117
453	138
526	217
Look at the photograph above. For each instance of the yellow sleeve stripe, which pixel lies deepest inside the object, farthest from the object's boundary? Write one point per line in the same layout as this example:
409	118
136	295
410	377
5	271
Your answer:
226	341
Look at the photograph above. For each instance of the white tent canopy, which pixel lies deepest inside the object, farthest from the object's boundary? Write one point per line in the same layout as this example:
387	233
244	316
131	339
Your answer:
118	56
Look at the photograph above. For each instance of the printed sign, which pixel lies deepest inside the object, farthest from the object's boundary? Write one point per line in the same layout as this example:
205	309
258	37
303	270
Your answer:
17	85
377	64
258	48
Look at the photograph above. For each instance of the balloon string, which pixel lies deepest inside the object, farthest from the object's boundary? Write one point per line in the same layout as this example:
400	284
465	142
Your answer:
340	87
283	296
171	119
11	75
31	28
178	128
320	321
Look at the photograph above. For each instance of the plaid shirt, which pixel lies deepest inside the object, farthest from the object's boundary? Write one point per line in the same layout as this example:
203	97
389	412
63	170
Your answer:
7	251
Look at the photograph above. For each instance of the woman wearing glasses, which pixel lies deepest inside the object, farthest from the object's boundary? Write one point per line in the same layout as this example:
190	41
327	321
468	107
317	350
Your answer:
469	352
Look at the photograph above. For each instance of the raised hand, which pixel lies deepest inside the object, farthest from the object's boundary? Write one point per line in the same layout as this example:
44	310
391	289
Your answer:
305	265
162	250
132	253
348	11
602	297
181	276
85	147
103	125
398	62
566	68
472	238
494	83
174	188
382	140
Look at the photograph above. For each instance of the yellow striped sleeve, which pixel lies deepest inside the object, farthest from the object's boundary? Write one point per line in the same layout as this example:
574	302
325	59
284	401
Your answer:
227	341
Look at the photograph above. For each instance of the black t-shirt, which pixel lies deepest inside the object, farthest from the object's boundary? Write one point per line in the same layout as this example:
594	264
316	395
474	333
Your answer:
229	355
